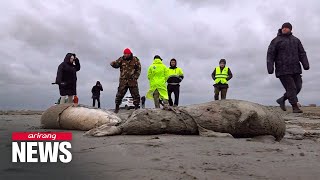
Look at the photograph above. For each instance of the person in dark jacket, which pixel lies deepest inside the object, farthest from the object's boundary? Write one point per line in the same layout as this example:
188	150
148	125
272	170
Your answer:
221	75
286	52
175	77
67	77
143	102
96	93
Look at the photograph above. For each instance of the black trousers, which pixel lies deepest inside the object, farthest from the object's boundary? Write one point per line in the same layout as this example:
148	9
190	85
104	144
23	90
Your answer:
94	102
175	89
223	91
292	84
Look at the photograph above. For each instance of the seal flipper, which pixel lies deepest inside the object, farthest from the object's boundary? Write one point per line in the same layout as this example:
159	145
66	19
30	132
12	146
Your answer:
104	130
210	133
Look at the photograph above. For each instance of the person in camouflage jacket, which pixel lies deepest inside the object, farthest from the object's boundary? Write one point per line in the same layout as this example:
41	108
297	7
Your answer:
130	70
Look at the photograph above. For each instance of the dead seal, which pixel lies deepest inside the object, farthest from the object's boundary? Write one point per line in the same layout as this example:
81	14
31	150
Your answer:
68	116
218	118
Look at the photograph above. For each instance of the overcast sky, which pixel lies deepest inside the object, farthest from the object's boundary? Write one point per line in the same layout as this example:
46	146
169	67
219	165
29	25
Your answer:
36	35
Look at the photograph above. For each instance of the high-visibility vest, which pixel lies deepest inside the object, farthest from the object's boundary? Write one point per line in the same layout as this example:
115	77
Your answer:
221	77
175	73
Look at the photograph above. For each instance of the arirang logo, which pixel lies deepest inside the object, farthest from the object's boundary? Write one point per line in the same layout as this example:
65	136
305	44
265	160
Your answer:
41	147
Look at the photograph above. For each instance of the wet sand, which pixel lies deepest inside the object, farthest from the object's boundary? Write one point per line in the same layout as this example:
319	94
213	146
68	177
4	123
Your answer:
297	156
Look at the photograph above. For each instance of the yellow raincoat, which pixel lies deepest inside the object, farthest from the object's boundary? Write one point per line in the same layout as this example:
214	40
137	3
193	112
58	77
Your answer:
158	75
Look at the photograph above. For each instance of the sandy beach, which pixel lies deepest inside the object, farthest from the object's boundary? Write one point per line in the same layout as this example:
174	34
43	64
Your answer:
167	156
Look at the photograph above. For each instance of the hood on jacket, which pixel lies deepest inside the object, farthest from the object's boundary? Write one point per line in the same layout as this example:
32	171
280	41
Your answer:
157	61
157	57
68	56
173	67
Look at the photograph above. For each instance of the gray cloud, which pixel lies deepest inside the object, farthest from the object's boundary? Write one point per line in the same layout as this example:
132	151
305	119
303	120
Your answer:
36	35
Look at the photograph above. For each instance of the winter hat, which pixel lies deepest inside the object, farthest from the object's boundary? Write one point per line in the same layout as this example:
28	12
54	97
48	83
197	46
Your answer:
127	51
287	25
222	61
157	57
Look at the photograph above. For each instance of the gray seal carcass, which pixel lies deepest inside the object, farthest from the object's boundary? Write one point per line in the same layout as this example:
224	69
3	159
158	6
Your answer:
218	118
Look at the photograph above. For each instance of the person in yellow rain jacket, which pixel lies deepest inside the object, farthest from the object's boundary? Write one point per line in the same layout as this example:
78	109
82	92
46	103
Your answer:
157	76
221	75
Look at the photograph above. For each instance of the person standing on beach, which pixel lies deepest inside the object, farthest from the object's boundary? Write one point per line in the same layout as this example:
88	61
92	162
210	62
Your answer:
175	77
143	102
157	76
67	77
286	52
130	69
96	93
221	75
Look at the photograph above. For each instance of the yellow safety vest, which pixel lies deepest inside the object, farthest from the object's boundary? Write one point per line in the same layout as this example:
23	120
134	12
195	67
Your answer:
221	77
174	73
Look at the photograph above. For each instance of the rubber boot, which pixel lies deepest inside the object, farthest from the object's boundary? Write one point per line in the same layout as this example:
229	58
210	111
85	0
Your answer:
136	107
296	109
156	98
116	110
282	102
165	104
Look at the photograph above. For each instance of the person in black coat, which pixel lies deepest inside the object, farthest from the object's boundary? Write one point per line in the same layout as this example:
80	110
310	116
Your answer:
286	52
143	102
96	93
67	77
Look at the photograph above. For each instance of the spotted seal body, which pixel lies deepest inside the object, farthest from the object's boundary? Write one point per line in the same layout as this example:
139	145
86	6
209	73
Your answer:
218	118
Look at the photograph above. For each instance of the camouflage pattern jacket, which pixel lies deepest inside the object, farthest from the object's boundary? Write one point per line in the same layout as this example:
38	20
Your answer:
130	70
